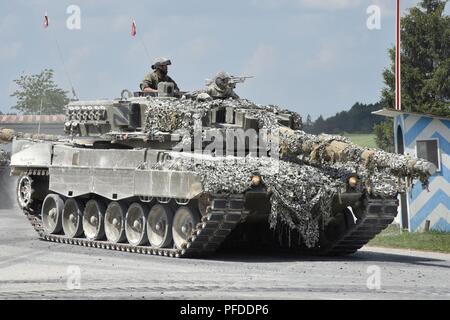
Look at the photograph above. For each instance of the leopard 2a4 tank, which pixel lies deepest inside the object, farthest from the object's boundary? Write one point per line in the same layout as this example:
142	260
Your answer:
182	177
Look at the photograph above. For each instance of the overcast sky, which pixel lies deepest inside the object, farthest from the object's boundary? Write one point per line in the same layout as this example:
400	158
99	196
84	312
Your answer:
312	56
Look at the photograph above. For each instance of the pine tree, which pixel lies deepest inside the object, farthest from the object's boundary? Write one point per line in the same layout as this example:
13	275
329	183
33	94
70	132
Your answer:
425	58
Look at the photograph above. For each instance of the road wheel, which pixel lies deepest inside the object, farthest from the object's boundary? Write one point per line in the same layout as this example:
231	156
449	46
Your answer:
159	226
135	224
115	222
93	220
73	218
184	222
51	213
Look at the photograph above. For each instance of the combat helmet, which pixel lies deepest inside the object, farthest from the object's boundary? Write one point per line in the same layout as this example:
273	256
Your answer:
161	62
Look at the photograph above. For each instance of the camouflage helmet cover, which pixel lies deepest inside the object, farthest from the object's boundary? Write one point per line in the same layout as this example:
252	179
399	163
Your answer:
222	75
222	80
161	62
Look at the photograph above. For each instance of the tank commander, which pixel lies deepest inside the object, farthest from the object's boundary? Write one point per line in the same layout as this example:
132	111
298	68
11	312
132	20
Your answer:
159	74
221	87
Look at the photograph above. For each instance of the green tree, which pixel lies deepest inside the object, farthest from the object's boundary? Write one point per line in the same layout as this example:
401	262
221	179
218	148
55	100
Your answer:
425	61
319	126
309	122
384	136
307	126
36	89
359	119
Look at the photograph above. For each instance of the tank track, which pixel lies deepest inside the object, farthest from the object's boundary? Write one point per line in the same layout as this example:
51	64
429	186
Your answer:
378	214
220	219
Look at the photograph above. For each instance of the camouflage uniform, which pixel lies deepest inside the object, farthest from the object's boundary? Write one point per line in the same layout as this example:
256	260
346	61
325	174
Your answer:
220	88
153	78
217	93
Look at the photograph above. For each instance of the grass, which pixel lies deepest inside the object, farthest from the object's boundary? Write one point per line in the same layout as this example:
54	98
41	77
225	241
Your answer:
392	237
362	140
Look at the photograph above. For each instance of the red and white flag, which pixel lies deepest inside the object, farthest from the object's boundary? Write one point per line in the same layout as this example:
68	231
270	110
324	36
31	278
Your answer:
46	20
133	28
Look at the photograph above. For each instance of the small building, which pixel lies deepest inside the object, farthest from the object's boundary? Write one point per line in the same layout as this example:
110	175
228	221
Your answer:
428	137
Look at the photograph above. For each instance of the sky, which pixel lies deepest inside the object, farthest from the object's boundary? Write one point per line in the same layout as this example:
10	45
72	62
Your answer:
314	57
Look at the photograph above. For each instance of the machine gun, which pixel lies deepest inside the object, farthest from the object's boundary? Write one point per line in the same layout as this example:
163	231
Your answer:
233	79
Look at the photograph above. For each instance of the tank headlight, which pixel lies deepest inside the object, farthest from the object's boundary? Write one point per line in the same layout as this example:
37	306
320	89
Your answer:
352	181
256	180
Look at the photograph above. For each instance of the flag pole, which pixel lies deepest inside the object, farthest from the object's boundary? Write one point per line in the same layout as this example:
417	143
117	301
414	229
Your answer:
145	47
135	33
398	83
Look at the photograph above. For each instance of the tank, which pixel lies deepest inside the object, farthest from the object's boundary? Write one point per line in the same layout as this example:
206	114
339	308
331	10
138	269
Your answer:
183	177
4	159
6	201
6	135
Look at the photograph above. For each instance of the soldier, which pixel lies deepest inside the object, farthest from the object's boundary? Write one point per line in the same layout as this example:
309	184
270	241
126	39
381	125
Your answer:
151	80
221	87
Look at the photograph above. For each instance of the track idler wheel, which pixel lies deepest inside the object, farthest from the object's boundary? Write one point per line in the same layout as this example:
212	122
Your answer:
51	212
159	226
115	222
135	224
93	220
184	222
73	218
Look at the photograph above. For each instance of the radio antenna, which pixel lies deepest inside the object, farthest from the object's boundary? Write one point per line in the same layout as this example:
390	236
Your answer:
61	57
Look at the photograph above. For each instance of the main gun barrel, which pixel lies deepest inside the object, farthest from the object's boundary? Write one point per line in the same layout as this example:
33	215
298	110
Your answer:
330	149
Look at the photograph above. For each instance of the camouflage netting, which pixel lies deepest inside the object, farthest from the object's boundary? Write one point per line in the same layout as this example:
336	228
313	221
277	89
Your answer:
6	135
186	114
312	170
301	194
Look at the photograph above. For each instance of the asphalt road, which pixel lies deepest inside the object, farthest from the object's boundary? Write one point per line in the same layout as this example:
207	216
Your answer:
31	268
